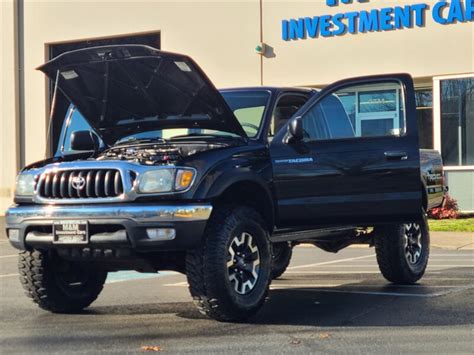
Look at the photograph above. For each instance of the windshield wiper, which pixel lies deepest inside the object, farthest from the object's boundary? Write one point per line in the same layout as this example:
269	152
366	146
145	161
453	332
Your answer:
141	140
204	135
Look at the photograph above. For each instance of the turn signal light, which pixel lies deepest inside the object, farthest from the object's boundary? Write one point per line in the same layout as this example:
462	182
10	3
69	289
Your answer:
184	179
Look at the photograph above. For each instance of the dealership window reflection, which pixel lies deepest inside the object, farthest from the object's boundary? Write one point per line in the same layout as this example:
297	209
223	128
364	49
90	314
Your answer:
457	121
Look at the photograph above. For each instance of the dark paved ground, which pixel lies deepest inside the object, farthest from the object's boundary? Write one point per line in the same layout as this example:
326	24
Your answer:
324	303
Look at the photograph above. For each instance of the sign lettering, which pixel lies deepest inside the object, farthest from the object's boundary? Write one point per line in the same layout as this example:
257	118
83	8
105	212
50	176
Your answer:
376	20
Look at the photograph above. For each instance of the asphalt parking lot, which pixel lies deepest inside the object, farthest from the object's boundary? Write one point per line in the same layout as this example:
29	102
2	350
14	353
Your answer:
323	303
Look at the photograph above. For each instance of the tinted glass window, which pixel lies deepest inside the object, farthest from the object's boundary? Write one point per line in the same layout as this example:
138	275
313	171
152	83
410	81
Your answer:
248	107
74	122
286	107
357	111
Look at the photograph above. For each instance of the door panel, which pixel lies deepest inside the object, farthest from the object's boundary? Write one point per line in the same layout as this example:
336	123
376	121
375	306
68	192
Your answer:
342	172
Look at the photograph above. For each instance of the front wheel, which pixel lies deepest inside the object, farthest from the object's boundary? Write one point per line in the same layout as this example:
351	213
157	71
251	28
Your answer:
58	285
403	251
230	274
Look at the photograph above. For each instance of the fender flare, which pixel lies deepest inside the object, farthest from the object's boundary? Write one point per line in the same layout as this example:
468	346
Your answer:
231	178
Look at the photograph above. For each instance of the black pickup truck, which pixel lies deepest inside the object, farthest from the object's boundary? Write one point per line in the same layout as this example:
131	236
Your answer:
155	169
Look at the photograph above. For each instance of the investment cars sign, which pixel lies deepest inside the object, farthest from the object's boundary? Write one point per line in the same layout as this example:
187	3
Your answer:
377	20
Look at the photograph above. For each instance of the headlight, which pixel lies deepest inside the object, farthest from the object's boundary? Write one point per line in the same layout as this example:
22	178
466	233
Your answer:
25	185
165	180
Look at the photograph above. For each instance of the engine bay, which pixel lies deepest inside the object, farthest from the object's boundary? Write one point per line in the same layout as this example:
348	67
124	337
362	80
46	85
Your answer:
156	154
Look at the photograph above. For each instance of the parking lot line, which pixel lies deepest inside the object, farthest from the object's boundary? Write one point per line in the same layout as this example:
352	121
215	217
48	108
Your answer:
177	284
330	272
8	275
453	257
351	285
397	294
122	276
331	262
450	266
272	287
376	266
362	272
8	256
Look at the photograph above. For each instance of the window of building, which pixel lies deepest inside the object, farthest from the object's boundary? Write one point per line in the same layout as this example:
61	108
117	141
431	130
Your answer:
424	113
457	121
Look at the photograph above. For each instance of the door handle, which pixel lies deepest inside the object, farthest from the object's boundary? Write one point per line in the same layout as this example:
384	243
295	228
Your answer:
396	155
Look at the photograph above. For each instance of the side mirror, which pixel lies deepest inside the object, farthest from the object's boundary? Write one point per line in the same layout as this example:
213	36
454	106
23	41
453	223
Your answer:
84	140
295	130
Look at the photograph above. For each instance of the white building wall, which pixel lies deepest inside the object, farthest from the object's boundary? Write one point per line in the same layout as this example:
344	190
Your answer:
221	36
7	106
421	51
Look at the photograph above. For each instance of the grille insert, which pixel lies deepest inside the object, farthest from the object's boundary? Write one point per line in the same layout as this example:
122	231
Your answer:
83	183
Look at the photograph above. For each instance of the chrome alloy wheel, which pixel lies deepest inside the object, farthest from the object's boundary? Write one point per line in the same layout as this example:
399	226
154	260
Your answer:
243	263
413	243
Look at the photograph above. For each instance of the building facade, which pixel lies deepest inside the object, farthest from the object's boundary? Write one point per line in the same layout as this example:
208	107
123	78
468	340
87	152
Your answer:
254	42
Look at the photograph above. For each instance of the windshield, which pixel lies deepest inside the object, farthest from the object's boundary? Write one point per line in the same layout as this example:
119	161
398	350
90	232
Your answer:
174	133
248	107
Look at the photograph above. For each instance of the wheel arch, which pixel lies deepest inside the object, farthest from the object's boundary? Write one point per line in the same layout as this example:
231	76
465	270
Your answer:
251	193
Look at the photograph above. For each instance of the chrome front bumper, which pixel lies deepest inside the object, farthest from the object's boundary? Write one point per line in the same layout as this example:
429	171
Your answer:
34	222
137	213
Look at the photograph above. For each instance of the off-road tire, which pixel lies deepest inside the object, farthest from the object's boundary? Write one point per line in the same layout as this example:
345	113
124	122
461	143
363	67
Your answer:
282	253
41	278
207	269
391	253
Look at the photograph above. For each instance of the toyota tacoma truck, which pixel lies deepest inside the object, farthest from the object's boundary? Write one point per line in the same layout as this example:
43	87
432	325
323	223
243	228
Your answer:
155	169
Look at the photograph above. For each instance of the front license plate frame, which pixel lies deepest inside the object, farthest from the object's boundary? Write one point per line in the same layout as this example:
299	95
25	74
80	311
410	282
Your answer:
71	232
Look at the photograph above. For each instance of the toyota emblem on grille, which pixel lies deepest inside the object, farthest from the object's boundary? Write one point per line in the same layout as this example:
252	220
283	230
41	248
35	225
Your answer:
78	182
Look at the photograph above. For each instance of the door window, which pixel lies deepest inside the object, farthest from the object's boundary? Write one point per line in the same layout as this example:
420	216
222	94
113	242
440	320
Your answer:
286	107
369	110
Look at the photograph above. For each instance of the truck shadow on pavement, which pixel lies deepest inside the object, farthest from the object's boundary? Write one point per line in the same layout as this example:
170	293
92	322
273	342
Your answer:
368	303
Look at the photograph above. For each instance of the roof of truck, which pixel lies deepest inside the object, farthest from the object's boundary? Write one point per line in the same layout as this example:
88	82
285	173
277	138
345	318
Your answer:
269	88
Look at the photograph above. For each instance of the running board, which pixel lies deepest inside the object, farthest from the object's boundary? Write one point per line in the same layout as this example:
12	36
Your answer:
309	235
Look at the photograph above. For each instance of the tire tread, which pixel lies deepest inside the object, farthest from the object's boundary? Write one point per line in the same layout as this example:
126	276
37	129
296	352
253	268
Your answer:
35	271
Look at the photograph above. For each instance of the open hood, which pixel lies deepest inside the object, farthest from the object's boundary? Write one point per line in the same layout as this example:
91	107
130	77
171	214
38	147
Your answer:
127	89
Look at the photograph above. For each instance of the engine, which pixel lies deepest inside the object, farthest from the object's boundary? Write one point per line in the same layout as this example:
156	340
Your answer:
147	155
155	154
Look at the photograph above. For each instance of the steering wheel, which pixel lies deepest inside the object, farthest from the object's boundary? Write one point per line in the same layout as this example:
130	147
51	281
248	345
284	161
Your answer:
246	124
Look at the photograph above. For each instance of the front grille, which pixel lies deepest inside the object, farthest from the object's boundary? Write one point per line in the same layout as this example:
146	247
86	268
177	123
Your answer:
84	183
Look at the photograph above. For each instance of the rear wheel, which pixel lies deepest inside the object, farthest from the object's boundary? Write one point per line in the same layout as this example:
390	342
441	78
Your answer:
229	275
58	285
403	251
282	253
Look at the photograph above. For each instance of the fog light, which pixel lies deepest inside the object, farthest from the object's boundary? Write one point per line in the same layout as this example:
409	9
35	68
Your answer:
14	235
161	233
